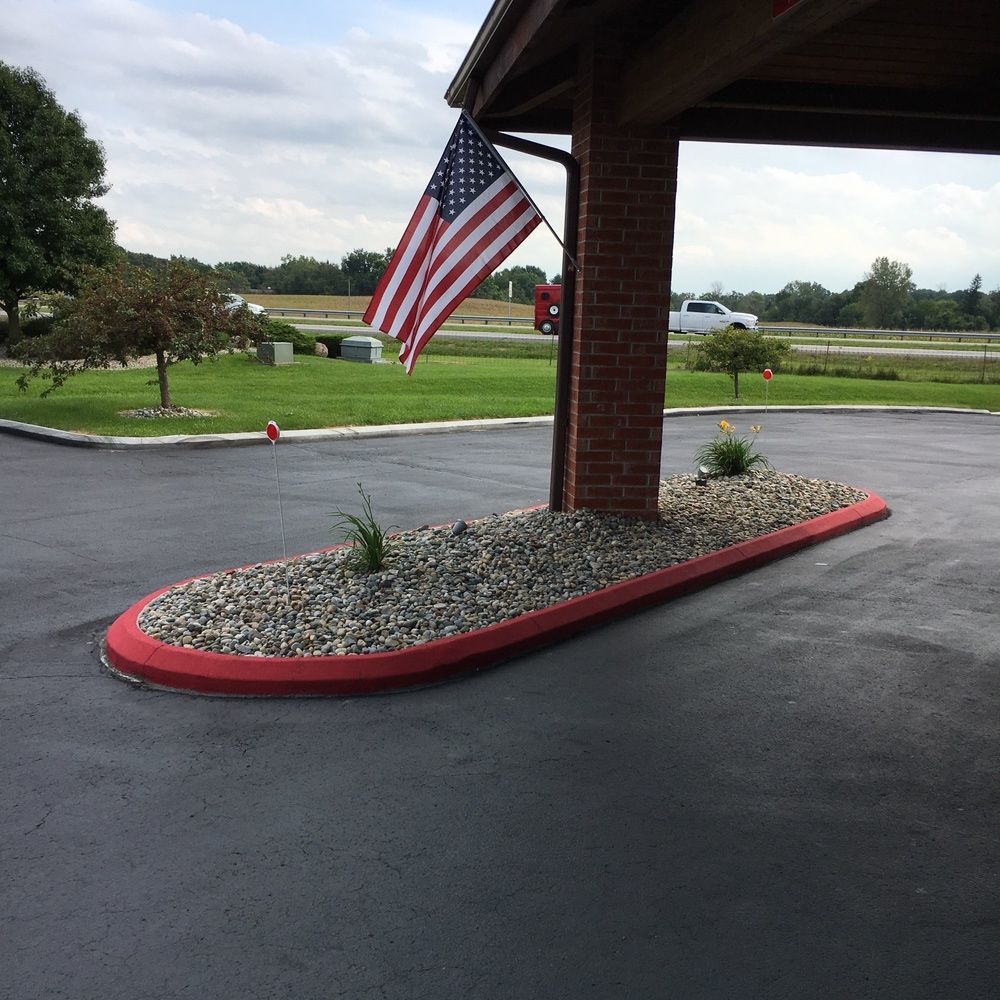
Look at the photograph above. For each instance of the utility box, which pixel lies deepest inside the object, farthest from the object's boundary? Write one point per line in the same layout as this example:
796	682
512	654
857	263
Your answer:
367	349
276	353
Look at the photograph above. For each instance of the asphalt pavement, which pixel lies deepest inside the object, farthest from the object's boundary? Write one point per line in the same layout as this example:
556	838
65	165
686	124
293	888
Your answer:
784	786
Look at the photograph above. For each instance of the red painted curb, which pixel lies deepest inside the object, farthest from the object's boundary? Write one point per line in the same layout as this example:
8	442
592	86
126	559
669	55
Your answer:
130	651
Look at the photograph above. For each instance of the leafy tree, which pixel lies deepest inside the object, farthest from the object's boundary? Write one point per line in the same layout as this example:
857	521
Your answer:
945	314
974	296
126	312
363	268
523	277
800	301
148	260
734	351
750	302
886	292
306	276
991	308
241	275
489	288
50	172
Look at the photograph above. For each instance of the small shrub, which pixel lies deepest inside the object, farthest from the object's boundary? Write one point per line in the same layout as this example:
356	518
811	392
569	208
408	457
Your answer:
886	375
729	455
370	543
302	341
37	326
735	351
332	343
810	370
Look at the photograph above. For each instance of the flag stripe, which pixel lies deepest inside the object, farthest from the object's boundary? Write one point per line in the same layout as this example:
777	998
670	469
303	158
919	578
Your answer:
444	237
471	256
407	258
464	276
478	269
421	336
461	237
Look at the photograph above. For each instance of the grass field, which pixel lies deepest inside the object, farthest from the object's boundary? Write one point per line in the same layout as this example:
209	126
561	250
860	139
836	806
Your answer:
472	307
315	392
969	367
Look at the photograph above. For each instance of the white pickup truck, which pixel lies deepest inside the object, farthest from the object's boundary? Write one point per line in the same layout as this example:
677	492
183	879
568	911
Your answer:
701	316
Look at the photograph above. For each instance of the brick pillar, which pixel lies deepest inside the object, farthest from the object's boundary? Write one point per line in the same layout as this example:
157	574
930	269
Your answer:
628	185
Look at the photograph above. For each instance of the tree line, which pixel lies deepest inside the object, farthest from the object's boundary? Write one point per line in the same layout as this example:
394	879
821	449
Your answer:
357	274
886	298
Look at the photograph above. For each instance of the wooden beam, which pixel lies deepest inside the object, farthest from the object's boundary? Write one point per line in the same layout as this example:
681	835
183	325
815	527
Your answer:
536	87
519	37
982	104
711	43
859	131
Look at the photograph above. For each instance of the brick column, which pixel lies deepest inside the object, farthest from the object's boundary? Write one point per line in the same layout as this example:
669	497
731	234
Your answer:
628	185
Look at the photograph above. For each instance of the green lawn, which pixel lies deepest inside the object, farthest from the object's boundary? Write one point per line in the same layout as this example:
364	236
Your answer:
319	393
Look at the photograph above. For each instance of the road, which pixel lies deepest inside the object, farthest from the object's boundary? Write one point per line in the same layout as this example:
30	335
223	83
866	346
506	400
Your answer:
781	787
676	345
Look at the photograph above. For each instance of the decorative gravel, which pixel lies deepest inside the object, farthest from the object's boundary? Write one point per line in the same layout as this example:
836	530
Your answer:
436	583
160	412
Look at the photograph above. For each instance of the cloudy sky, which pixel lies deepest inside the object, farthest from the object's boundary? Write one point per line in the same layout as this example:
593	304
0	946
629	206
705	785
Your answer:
250	130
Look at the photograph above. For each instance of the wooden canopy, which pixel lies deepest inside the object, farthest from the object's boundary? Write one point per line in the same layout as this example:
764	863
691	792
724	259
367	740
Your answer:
894	74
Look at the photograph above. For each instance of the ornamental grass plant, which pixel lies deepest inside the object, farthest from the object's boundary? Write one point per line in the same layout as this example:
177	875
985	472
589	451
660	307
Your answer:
369	541
727	454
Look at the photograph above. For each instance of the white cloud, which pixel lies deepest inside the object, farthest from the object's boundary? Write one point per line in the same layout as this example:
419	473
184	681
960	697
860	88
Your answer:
270	131
766	223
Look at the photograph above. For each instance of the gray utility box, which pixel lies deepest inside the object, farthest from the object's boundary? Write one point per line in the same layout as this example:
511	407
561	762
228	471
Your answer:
278	353
368	349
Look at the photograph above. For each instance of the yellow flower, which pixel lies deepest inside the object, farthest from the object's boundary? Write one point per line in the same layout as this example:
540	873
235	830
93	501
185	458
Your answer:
755	429
725	426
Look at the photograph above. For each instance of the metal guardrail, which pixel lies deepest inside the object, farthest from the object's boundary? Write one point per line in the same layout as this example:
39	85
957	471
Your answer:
358	313
820	331
856	333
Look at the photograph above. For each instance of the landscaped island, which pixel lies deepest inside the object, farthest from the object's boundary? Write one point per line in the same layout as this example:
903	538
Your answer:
437	584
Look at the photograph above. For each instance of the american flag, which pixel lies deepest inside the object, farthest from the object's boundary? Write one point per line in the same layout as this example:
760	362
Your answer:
471	217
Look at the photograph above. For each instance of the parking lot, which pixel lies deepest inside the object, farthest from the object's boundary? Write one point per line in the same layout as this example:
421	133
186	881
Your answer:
781	787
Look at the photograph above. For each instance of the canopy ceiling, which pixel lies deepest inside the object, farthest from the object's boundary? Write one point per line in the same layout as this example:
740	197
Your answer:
896	74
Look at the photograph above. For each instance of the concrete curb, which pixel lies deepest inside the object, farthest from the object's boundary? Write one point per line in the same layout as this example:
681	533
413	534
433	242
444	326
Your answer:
138	657
238	439
76	439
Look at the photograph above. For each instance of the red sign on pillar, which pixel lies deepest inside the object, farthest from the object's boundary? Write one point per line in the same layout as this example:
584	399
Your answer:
780	6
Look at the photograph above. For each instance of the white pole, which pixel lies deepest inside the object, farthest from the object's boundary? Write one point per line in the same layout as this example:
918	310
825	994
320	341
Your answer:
281	521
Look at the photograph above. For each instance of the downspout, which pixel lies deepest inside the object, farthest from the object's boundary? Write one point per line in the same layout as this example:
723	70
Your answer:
560	427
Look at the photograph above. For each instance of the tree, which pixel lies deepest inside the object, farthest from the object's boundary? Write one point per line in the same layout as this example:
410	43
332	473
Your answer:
306	276
363	268
240	275
50	172
800	302
175	313
734	351
974	296
886	292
